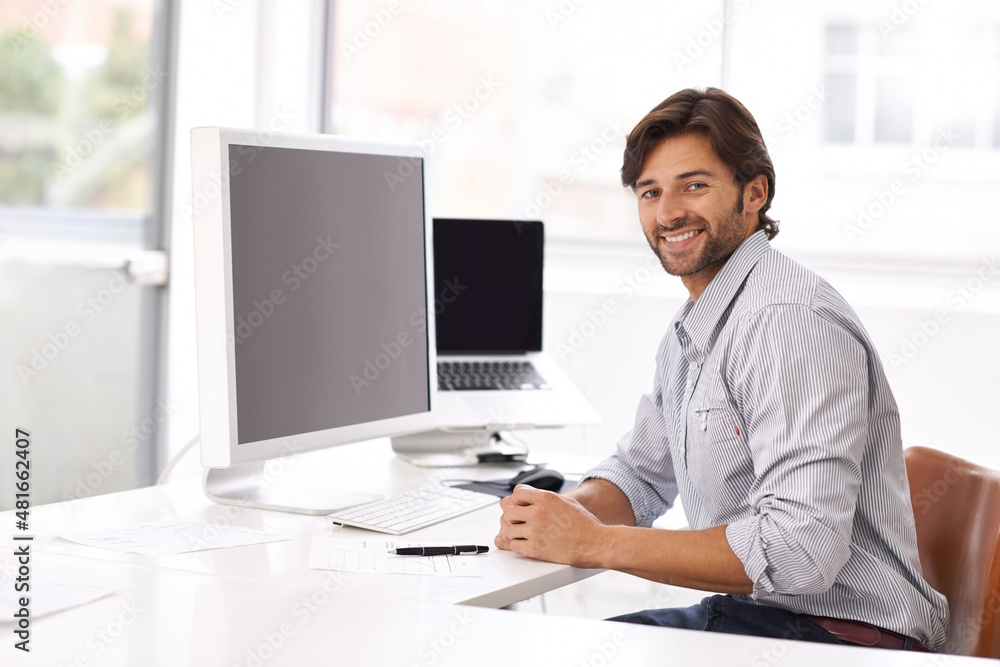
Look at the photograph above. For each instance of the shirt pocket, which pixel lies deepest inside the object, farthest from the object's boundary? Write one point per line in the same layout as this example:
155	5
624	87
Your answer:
718	456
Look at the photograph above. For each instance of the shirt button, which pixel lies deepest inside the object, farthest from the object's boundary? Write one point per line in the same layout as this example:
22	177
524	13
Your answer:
693	365
690	383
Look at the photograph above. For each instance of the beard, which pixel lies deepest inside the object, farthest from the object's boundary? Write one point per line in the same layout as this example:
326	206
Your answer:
720	240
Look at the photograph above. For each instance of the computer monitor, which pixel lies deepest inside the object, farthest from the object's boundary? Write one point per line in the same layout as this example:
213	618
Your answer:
312	275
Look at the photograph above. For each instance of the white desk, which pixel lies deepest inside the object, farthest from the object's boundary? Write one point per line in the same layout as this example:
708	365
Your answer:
247	605
167	618
506	577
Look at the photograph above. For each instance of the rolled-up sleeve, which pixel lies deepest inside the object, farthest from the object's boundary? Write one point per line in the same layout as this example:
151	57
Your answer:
641	466
807	412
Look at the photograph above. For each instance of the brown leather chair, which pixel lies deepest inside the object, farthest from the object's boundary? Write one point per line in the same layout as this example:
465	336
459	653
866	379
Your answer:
956	507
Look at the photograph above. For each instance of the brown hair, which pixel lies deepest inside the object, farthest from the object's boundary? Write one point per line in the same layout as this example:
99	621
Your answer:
730	128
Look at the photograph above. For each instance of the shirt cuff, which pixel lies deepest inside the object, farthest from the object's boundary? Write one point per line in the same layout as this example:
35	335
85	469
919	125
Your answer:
637	492
749	545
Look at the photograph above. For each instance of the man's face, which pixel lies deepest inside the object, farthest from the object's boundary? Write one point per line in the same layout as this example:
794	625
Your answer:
693	214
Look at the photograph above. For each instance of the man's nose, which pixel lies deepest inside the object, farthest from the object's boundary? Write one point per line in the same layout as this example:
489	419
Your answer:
668	211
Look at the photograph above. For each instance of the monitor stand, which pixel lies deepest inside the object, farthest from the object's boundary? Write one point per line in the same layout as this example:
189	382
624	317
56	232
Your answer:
454	448
295	483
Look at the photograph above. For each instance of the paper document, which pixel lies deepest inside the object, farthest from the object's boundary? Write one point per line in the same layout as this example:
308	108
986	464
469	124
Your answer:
164	539
47	596
370	554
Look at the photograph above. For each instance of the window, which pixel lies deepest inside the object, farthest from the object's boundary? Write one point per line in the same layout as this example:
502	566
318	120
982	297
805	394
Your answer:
522	108
79	156
75	102
938	73
864	64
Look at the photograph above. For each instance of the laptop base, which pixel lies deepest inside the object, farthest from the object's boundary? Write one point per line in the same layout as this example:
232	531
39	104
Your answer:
446	449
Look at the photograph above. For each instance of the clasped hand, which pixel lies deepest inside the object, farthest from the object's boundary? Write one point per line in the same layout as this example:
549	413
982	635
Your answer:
544	525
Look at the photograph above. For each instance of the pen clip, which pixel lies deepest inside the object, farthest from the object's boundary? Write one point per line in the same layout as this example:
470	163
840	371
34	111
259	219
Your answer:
470	550
703	414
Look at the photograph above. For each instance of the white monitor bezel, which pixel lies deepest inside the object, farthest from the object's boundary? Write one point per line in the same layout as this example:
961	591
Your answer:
214	299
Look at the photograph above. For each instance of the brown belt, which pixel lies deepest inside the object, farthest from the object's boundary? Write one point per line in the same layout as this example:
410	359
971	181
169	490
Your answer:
865	634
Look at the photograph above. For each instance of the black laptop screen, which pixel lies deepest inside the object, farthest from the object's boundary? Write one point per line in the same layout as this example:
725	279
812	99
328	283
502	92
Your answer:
488	286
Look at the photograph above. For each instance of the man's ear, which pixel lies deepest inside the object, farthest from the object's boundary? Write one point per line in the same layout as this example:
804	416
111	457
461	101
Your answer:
755	194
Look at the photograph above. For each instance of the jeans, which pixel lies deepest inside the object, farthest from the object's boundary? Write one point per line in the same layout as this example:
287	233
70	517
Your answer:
722	613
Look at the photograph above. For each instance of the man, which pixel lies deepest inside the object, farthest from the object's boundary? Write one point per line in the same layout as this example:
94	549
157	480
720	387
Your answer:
770	415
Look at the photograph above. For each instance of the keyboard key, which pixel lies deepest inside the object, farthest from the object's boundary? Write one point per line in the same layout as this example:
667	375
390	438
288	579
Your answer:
488	375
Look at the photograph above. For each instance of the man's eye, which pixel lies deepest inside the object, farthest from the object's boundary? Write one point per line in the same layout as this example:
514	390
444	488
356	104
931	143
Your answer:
696	186
649	194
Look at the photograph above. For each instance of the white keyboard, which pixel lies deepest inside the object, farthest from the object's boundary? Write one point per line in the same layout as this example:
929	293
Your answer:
414	510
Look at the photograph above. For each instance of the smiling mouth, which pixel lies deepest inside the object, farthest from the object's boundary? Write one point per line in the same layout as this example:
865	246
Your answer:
681	237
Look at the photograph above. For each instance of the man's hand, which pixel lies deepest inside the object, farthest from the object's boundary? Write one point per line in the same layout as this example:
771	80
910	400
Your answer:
550	527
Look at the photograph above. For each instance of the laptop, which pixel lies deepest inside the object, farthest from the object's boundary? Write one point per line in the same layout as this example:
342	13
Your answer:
492	371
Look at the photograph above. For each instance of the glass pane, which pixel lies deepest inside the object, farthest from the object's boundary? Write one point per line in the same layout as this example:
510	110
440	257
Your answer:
996	129
546	140
842	40
996	115
893	109
841	107
74	104
522	108
76	141
896	41
962	131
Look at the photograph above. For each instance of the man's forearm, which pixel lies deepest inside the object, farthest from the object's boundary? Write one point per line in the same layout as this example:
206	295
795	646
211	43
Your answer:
699	559
693	559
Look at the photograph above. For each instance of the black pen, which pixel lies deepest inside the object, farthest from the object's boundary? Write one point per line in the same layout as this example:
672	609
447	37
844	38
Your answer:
460	550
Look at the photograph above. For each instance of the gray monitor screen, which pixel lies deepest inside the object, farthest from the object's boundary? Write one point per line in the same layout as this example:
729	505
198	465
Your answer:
329	290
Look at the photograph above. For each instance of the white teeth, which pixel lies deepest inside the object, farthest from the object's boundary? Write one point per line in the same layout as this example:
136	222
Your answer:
675	239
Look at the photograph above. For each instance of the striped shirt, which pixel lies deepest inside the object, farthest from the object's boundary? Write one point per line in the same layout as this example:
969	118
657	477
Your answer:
771	414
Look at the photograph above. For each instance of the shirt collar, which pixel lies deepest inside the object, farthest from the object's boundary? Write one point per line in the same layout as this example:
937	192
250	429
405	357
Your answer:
701	317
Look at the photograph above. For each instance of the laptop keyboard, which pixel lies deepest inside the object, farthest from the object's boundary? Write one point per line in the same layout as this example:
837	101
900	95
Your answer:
487	375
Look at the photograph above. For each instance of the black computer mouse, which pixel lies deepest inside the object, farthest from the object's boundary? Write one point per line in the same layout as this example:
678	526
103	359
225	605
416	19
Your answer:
540	478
